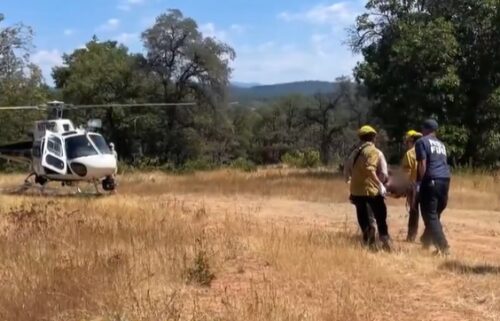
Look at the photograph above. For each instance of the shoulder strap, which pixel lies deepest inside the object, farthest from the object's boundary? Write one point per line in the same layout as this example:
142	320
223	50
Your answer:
359	154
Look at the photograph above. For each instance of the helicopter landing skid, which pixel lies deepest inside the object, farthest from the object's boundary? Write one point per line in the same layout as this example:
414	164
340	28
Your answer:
27	179
84	191
32	188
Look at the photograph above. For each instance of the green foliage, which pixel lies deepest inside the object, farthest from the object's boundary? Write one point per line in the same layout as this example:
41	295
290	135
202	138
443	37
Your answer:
185	62
195	165
21	82
11	167
455	138
308	159
489	150
181	64
433	58
329	114
244	165
100	73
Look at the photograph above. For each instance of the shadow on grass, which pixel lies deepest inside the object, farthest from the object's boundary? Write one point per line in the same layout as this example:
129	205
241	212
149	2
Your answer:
464	268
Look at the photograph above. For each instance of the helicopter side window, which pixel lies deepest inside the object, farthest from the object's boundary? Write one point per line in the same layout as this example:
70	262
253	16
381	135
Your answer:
79	146
99	141
54	145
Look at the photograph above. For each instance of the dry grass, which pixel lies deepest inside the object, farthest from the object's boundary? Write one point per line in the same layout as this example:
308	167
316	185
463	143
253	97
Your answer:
467	191
271	245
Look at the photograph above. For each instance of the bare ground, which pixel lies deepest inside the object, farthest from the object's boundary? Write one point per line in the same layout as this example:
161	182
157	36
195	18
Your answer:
414	284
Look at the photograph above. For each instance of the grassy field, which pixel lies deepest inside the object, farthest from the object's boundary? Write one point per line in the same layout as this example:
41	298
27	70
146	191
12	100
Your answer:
225	245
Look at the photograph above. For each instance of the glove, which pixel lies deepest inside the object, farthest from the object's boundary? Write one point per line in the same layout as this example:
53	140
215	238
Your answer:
382	190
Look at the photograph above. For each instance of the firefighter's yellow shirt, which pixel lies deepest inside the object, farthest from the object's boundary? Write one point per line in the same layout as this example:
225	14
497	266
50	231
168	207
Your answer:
409	164
361	182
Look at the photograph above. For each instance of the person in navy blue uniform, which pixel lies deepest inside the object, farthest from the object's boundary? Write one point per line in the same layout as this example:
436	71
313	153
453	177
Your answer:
433	184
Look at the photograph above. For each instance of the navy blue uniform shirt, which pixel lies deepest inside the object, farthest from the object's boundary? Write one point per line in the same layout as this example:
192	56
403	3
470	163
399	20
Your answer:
433	151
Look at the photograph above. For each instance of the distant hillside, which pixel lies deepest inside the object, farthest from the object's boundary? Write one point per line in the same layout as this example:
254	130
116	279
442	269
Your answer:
244	84
266	92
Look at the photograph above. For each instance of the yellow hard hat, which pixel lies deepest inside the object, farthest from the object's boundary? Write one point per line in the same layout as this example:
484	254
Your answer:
412	134
365	130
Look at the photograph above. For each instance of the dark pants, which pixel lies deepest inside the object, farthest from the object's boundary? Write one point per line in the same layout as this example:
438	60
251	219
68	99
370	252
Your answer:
414	216
433	201
377	206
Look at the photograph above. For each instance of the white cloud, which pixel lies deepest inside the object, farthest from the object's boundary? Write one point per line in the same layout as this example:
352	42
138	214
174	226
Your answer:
46	60
323	58
339	14
209	30
69	32
238	28
127	5
319	43
148	21
124	7
127	38
110	25
266	46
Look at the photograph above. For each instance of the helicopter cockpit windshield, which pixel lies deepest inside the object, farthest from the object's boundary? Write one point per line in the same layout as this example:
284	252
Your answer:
100	143
79	146
85	145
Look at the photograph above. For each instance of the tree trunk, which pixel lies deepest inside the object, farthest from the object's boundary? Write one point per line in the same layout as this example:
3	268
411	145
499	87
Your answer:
325	152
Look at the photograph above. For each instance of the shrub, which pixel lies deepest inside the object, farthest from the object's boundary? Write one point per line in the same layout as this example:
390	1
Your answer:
199	164
308	159
200	272
244	165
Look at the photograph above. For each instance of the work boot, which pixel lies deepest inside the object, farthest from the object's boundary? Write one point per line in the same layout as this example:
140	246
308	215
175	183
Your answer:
386	243
444	252
369	236
426	241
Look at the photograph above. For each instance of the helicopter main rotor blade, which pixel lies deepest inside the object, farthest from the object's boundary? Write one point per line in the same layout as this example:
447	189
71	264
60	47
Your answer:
131	105
63	106
21	108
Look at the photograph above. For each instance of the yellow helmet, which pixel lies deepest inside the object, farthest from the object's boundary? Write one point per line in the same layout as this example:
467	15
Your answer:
365	130
412	134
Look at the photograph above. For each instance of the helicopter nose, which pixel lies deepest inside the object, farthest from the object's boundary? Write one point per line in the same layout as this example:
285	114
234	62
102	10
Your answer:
97	166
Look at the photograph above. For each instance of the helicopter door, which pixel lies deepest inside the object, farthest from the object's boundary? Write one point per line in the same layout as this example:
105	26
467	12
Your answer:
53	157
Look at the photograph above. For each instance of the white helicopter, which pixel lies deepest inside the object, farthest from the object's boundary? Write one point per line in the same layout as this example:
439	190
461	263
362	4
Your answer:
61	152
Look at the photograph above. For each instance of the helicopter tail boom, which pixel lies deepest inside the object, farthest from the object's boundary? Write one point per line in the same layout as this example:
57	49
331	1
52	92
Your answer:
18	152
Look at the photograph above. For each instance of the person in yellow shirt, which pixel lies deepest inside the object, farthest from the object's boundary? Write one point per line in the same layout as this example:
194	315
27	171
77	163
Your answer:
409	166
367	190
382	173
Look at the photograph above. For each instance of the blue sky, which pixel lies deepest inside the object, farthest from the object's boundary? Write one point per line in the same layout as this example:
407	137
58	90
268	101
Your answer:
275	41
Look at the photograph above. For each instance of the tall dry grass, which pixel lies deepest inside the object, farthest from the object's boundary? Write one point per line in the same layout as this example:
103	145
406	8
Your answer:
468	191
142	259
166	248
